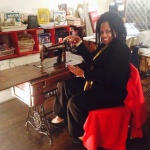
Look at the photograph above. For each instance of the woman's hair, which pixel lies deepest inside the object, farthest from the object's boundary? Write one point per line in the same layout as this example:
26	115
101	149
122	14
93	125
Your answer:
116	24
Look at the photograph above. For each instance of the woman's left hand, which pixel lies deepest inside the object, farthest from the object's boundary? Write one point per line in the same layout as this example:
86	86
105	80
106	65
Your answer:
76	70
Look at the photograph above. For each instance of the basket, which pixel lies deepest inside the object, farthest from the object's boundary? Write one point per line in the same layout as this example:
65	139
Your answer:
7	52
26	42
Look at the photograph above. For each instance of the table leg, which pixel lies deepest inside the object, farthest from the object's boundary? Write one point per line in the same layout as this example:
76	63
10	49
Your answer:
41	121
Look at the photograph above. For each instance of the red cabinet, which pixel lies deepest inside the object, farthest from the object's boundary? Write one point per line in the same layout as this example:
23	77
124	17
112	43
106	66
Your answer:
11	39
57	32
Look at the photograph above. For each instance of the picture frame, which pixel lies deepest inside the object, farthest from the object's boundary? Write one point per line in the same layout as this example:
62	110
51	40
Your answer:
44	39
43	15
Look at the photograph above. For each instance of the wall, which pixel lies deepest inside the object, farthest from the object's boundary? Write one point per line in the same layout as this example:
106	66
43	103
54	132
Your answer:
103	5
30	6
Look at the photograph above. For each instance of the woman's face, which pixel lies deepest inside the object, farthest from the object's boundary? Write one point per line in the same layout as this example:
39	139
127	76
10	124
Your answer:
105	33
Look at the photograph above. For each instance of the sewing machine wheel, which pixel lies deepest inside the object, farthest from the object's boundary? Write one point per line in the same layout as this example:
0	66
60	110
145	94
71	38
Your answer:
37	120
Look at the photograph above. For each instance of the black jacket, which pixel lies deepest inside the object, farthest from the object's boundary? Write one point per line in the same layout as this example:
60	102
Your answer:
111	68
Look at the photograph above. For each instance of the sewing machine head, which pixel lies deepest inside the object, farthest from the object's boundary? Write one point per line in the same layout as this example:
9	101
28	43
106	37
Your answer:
58	50
10	19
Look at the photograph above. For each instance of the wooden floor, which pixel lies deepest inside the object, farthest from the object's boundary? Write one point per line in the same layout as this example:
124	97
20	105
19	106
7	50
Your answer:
15	136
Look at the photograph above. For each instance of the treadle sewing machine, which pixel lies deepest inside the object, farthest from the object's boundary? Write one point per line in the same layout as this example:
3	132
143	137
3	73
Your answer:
33	84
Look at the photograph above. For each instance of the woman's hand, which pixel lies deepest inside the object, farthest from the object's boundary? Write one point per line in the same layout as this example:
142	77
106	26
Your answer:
76	70
73	39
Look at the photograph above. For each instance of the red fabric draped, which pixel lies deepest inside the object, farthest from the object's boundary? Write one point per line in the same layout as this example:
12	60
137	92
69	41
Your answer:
108	127
135	102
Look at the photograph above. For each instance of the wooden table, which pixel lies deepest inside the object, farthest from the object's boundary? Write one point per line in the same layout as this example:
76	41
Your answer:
29	72
33	85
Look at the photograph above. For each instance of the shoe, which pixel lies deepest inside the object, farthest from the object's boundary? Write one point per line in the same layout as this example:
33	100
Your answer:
81	138
57	120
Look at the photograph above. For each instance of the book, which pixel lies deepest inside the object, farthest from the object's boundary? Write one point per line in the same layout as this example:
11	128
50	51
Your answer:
44	39
93	15
43	15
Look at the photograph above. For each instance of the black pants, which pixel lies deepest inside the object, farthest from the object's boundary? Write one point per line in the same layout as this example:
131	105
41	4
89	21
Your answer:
64	105
73	103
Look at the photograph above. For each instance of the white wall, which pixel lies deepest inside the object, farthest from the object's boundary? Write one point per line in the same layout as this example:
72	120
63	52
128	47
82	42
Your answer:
103	5
30	6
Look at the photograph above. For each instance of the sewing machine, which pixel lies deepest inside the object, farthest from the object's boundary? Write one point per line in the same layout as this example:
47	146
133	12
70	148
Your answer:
58	49
10	21
58	17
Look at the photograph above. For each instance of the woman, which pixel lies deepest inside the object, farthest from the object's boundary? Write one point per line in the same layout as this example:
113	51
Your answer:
107	76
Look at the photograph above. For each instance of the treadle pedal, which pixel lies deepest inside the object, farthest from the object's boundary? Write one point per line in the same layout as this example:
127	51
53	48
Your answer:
50	115
53	127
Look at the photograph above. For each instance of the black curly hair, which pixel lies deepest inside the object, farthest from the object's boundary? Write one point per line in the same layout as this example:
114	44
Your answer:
116	24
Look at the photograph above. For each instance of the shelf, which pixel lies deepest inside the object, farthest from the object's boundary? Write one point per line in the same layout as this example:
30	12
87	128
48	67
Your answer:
8	56
28	52
54	32
10	38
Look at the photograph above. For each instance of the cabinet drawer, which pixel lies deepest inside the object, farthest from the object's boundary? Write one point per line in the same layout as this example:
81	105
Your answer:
37	88
21	94
37	100
31	89
27	98
24	87
53	80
